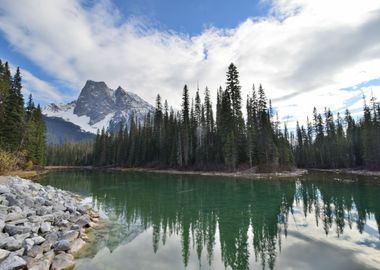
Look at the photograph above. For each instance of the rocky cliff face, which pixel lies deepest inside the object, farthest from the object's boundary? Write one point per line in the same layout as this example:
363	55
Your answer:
99	106
96	101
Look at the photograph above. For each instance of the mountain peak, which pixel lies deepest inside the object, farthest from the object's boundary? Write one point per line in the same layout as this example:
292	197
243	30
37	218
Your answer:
91	82
100	106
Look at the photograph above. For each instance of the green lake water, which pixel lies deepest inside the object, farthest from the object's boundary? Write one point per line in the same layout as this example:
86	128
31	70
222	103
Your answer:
162	221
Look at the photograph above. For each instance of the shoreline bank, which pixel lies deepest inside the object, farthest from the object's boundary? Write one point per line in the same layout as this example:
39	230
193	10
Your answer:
348	171
247	174
41	227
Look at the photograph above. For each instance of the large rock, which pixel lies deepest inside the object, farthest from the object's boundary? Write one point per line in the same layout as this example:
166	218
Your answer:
14	229
59	207
28	201
70	235
63	261
84	222
39	201
4	189
77	245
50	240
53	236
45	227
28	244
35	219
62	245
49	256
35	251
40	265
44	210
38	240
22	237
10	243
3	254
48	217
35	227
18	221
13	263
15	216
12	200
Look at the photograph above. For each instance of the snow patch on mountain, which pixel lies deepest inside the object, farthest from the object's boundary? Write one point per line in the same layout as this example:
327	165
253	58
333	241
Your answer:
68	115
99	107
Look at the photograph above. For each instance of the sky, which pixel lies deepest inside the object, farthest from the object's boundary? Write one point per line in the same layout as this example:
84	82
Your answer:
305	53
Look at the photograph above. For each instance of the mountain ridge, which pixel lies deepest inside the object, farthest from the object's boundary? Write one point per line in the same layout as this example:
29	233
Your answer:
98	107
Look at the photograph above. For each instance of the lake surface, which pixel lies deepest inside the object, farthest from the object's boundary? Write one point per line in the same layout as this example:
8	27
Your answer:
162	221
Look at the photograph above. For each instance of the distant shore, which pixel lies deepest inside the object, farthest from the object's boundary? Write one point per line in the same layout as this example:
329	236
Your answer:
349	171
239	174
248	174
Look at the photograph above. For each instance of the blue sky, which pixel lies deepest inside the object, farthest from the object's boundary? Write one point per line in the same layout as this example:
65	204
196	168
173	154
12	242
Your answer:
192	17
306	53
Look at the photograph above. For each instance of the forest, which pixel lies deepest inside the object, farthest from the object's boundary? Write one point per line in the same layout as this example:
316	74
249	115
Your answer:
194	137
22	129
197	138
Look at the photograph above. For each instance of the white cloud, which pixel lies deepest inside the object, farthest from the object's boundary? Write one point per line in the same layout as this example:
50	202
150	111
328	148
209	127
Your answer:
303	52
41	89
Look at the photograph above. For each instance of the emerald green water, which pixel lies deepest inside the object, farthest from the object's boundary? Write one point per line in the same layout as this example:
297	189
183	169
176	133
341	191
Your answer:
162	221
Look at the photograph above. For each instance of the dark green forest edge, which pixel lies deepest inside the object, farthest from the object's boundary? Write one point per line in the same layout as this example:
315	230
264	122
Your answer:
22	129
192	139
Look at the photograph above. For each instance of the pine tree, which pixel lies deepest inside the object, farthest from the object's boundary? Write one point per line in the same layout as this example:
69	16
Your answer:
13	124
185	127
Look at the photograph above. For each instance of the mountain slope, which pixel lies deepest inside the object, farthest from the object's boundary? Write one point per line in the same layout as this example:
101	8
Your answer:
58	131
97	107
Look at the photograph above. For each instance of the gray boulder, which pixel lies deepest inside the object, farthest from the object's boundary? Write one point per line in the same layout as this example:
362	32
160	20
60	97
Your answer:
63	261
35	251
38	240
15	216
13	263
70	235
12	200
14	229
3	254
62	245
45	227
10	243
77	245
28	244
40	265
4	189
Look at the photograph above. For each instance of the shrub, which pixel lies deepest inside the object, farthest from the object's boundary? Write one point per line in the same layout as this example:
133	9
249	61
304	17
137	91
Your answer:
29	165
8	161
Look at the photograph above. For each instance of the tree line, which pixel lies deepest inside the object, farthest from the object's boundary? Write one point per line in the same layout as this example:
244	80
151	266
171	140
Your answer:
343	142
192	139
22	129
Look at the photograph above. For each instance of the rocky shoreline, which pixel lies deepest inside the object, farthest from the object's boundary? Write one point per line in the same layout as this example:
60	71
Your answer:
41	227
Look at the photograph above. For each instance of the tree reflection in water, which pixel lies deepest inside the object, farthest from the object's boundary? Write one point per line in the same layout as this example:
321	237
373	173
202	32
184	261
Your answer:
197	208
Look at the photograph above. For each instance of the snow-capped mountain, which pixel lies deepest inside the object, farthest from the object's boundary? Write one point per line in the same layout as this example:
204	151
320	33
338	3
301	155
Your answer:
99	106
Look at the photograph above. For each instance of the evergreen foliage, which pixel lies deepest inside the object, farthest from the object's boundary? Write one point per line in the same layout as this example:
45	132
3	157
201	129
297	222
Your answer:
342	142
70	154
22	129
191	138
